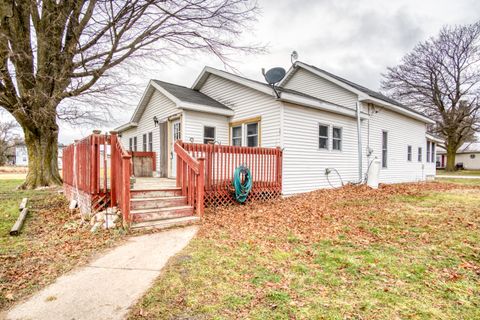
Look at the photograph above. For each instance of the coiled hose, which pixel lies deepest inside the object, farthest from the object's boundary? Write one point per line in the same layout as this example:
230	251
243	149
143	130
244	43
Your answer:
242	189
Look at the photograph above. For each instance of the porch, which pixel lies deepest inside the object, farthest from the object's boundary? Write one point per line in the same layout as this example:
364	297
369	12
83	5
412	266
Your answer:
99	173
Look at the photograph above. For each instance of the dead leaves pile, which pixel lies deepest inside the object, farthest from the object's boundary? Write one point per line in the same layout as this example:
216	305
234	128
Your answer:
52	242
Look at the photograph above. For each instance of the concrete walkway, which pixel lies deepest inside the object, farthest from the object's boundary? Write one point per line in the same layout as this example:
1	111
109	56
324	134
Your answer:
456	177
108	286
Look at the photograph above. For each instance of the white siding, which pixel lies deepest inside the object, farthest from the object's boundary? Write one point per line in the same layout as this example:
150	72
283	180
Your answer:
469	163
161	107
402	131
311	84
195	121
247	103
304	163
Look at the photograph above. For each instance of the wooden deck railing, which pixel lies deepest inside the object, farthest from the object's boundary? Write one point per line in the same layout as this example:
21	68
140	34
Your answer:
265	165
120	172
190	176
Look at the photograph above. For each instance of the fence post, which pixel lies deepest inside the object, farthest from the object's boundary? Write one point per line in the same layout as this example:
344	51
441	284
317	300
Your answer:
113	168
201	187
126	187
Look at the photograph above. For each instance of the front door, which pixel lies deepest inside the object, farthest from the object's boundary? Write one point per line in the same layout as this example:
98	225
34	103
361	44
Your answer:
176	135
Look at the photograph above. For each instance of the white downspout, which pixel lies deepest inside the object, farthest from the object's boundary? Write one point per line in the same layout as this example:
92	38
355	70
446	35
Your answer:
359	139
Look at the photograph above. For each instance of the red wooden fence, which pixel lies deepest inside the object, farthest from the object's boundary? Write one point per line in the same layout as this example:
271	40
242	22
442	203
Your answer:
265	165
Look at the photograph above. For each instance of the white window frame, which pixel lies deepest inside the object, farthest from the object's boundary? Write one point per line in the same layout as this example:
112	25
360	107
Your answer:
135	141
150	141
144	142
211	139
420	154
327	147
428	151
432	151
240	137
130	144
384	157
409	153
337	139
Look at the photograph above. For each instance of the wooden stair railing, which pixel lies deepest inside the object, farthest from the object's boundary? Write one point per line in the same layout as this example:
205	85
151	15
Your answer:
120	172
191	178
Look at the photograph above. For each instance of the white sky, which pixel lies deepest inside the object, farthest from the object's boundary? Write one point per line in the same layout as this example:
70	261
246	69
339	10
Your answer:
354	39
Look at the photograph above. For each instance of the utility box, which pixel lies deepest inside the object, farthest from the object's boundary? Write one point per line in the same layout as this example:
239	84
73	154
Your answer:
374	174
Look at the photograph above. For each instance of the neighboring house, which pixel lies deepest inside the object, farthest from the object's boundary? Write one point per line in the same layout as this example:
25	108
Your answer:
21	155
314	119
468	154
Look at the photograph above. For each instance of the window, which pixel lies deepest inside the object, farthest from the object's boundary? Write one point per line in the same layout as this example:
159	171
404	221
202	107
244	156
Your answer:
409	153
208	134
322	136
150	141
144	142
237	136
130	144
420	151
428	151
252	134
134	143
433	152
337	138
384	148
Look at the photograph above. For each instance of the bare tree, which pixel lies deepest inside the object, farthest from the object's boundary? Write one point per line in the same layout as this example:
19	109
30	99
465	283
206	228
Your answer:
8	138
441	77
54	50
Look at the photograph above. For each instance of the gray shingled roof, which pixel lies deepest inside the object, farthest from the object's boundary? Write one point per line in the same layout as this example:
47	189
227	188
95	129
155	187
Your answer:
371	93
189	95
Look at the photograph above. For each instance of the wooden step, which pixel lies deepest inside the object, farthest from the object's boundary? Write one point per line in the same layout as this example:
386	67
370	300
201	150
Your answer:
164	192
161	213
159	202
165	224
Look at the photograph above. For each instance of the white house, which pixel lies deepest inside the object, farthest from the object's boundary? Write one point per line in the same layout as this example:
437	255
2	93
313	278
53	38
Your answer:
315	116
468	155
21	155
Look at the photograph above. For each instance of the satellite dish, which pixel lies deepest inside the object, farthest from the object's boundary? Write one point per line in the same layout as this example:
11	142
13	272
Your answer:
274	75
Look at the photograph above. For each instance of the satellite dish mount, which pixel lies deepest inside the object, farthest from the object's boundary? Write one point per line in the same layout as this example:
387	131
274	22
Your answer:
274	76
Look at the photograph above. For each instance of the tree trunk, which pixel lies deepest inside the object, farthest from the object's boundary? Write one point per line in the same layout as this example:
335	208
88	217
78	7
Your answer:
451	153
42	146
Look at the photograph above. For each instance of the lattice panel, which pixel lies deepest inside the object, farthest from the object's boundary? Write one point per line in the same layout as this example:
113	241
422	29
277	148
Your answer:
227	198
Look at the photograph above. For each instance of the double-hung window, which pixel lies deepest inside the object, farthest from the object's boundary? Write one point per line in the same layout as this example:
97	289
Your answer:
237	136
323	136
337	138
130	144
433	152
384	149
420	151
134	143
144	142
252	134
150	141
208	134
428	151
409	153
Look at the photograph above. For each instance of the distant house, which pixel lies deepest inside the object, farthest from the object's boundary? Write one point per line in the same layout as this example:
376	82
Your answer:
314	116
21	155
468	155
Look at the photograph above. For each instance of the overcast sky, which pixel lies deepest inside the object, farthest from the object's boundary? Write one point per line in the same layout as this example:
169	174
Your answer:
354	39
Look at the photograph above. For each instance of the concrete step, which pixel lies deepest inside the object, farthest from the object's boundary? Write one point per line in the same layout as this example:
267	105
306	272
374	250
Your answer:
158	202
163	192
139	215
167	223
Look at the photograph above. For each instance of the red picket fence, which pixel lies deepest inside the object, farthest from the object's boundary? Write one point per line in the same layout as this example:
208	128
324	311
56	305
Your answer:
265	165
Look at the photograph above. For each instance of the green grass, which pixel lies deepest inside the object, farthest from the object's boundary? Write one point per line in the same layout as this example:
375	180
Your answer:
471	182
459	173
417	257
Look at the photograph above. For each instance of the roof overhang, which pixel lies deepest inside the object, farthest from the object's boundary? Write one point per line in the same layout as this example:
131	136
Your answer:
433	138
320	105
206	109
126	126
397	109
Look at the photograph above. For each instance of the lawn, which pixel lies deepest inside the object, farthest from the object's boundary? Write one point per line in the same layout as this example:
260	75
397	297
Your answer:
459	173
52	241
404	251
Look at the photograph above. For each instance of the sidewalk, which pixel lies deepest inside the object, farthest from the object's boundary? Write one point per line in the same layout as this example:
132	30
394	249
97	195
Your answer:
108	286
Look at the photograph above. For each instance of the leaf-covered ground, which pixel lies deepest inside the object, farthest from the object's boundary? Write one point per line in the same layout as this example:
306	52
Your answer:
402	252
51	241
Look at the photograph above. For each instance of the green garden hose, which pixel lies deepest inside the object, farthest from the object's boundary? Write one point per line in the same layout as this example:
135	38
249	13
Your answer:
242	189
